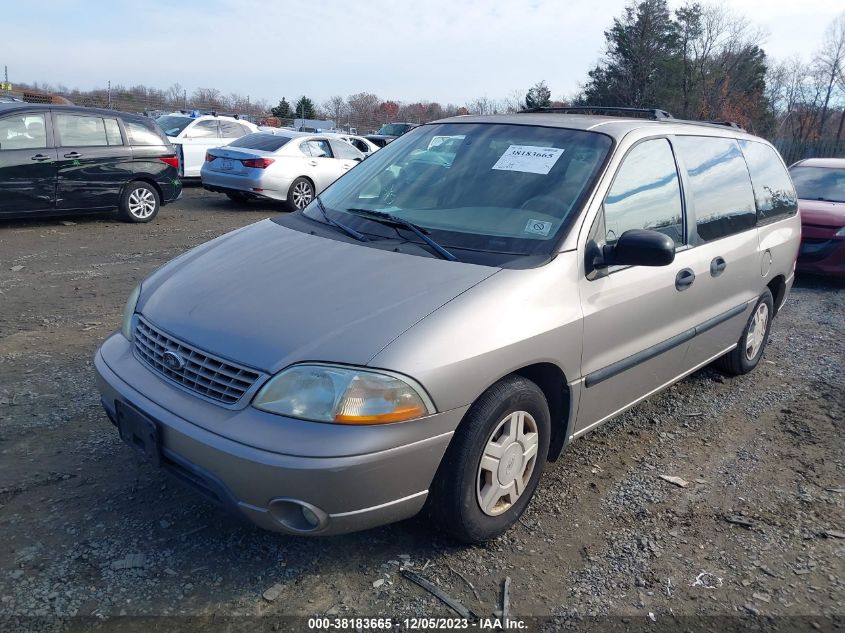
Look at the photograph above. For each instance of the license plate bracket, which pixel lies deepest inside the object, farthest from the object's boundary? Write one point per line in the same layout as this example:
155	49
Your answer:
138	431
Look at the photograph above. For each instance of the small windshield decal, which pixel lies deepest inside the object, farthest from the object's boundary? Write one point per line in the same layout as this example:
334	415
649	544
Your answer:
538	226
528	158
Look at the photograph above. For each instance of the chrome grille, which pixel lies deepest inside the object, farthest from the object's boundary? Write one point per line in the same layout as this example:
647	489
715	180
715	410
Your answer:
219	380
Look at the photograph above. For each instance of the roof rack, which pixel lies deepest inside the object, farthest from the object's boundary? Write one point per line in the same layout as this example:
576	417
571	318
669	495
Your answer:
731	124
655	114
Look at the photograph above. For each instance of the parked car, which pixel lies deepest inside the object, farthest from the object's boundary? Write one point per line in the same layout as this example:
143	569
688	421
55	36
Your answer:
193	133
60	160
432	329
359	142
389	132
290	167
821	199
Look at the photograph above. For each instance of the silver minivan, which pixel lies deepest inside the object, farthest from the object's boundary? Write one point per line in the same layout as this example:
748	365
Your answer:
446	317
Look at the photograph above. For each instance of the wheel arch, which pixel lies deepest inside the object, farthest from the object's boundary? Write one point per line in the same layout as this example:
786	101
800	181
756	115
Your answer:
777	286
553	383
147	180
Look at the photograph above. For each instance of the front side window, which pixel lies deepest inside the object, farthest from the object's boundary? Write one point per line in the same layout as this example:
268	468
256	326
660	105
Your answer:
645	194
23	131
720	186
317	148
819	183
81	131
204	129
504	190
773	190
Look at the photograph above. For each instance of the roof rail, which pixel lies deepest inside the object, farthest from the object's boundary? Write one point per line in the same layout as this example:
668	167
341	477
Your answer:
655	114
732	124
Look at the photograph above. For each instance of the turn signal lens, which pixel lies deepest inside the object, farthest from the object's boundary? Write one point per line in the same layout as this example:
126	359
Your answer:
343	395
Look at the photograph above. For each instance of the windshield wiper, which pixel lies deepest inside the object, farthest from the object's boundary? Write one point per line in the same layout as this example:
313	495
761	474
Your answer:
346	229
392	220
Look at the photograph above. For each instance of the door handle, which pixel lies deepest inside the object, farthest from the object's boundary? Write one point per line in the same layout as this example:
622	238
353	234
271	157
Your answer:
73	155
40	157
717	266
684	279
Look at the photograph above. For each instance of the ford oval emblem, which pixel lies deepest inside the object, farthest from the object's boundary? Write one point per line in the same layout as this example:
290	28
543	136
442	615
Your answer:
173	361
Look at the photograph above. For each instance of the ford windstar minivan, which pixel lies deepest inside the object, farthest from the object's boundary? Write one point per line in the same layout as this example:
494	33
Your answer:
446	317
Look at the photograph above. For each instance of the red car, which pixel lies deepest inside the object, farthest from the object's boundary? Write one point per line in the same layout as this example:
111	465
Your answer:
821	201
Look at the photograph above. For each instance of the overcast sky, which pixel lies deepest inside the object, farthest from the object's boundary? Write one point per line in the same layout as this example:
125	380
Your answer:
439	50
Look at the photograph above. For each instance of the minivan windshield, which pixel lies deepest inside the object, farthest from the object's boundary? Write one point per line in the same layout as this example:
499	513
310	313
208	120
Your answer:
819	183
173	124
489	187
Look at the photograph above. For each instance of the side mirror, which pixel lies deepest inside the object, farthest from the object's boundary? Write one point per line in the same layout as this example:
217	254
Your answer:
637	247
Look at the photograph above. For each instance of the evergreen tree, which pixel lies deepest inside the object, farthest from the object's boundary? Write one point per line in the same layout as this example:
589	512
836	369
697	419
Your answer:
539	96
282	110
304	108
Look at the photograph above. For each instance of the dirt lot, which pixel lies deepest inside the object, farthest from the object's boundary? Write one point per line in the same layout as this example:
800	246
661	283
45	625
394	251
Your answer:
88	529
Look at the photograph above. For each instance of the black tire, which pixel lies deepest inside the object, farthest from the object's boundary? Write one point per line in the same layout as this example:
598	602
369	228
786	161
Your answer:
237	197
454	503
737	361
139	202
301	193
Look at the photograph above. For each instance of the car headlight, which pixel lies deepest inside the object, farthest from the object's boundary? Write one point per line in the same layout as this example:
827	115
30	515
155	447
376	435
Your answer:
129	312
841	232
343	395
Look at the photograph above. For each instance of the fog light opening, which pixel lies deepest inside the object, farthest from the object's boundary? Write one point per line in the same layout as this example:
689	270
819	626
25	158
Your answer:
298	516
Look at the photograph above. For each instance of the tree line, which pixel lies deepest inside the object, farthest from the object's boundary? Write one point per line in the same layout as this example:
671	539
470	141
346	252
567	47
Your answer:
700	61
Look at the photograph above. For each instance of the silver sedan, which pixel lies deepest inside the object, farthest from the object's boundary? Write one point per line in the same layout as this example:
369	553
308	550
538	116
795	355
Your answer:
290	167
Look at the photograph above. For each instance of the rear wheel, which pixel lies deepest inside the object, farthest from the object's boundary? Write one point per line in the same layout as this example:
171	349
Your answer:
749	350
494	463
139	202
300	194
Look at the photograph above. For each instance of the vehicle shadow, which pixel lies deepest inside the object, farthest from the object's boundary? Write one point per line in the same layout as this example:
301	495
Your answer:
819	282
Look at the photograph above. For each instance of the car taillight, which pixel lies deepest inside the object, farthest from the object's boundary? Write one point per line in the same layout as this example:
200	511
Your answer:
173	161
258	163
209	157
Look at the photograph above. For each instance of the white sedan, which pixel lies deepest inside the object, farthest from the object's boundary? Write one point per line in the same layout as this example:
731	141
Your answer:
290	167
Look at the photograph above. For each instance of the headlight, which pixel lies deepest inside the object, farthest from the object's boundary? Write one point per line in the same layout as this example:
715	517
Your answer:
343	395
129	312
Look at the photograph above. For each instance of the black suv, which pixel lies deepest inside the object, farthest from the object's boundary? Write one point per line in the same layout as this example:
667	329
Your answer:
390	132
59	160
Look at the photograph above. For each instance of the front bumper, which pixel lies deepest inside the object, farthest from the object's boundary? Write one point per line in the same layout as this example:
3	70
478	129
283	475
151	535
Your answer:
348	492
822	252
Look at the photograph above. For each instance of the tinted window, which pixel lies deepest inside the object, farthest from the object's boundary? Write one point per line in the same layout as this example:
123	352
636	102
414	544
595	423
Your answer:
204	129
819	183
80	131
23	131
141	135
113	135
720	186
230	129
773	190
344	150
645	194
264	142
173	124
318	148
360	145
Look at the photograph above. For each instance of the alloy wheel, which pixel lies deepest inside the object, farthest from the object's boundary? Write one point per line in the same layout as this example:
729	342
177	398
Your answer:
756	332
141	203
302	194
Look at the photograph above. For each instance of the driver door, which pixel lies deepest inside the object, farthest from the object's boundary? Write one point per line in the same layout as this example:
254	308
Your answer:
637	322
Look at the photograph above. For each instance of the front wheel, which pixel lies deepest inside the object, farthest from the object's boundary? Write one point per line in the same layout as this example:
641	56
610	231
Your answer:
494	463
749	350
139	202
300	194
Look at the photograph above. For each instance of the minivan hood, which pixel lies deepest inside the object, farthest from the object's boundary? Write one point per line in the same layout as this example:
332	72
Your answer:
268	296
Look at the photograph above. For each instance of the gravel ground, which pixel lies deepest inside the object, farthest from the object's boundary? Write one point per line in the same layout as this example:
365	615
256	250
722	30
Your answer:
91	533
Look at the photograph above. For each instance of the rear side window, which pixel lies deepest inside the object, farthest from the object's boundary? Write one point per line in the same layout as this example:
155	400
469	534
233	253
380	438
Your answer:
773	190
721	191
140	134
317	148
230	129
81	131
645	194
204	129
263	142
113	135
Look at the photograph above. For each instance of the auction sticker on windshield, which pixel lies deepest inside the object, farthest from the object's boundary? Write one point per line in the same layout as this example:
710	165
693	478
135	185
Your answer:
528	158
